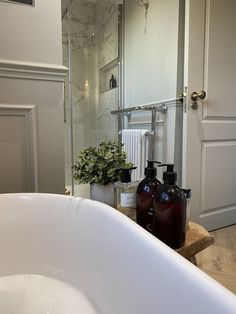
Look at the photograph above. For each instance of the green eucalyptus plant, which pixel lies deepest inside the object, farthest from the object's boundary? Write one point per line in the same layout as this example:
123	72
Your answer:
99	165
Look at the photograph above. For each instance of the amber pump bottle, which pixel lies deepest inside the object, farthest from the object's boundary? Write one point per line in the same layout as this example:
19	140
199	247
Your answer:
145	193
169	219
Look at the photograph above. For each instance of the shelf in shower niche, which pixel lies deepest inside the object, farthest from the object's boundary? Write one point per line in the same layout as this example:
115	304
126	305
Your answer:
109	65
105	73
109	90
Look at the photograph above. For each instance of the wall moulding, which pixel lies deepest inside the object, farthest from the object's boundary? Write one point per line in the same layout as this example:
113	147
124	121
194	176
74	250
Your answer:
19	145
32	71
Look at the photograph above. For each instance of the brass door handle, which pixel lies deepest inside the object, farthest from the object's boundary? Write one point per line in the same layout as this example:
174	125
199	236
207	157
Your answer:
195	97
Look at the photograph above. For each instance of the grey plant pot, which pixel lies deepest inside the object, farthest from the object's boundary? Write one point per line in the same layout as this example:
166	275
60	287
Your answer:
102	193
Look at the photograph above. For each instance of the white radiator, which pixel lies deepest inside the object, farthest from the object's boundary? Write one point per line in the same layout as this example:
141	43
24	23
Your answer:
136	145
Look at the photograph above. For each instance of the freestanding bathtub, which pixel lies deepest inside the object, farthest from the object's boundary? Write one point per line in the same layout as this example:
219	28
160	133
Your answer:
93	249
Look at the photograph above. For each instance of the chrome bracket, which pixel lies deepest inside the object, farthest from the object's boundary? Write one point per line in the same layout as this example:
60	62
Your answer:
164	109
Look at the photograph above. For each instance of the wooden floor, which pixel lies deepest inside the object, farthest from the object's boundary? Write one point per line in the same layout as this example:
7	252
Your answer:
219	259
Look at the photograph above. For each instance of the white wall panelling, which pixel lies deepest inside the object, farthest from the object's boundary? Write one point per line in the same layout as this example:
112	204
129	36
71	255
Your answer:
47	96
31	72
18	145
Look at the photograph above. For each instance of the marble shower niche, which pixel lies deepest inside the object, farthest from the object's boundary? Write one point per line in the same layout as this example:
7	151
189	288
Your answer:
90	51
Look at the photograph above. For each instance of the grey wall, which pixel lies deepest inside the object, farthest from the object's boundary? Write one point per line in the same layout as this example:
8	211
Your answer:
153	70
31	73
151	58
31	34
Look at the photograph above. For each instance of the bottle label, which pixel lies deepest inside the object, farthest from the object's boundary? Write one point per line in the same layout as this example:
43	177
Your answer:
128	199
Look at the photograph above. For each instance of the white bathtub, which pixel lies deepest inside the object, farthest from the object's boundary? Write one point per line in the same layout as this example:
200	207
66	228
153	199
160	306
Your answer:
90	246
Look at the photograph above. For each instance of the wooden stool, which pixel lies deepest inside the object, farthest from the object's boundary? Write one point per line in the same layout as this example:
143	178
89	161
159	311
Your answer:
197	239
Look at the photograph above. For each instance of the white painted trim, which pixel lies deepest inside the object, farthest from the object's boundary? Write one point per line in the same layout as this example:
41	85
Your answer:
30	114
15	2
32	71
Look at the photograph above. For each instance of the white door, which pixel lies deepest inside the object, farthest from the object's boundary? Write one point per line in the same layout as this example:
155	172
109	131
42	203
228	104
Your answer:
209	154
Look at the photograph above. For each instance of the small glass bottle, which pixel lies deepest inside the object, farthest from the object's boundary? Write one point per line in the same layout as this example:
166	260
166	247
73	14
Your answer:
125	193
112	82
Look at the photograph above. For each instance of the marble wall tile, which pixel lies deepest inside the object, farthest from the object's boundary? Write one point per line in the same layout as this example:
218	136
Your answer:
107	31
93	40
107	123
106	20
83	87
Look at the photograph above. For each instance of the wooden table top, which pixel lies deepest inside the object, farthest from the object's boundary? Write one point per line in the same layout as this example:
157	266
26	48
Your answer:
197	239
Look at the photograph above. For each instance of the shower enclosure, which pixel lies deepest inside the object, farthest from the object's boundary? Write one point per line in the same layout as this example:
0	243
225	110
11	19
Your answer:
92	52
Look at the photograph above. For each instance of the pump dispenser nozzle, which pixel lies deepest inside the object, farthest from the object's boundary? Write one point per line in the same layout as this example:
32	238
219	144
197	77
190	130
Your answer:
150	171
125	174
169	176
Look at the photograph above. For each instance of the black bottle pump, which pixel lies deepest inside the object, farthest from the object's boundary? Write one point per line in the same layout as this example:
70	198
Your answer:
150	171
125	174
169	176
169	219
145	193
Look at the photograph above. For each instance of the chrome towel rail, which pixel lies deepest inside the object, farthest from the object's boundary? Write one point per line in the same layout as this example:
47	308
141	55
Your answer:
161	106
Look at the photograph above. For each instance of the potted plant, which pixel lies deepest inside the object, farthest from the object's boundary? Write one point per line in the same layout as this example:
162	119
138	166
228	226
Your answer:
98	167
